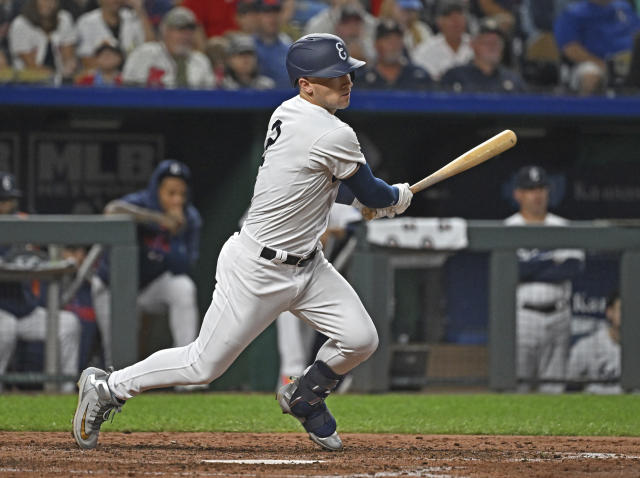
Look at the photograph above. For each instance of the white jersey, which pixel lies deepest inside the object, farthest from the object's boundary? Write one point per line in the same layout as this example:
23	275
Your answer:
307	150
24	37
151	63
544	293
93	31
596	357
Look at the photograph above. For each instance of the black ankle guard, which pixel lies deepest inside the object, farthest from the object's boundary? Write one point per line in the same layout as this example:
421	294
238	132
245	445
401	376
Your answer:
315	385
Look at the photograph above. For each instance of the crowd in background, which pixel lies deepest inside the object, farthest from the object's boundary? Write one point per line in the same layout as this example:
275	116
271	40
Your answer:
563	46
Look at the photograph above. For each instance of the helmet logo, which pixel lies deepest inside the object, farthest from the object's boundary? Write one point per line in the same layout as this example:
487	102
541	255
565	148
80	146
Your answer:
342	53
175	169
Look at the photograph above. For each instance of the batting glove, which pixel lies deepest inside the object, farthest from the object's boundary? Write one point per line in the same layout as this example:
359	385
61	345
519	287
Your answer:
404	198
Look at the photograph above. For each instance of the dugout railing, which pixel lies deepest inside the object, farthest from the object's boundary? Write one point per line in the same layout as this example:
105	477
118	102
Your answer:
373	268
116	232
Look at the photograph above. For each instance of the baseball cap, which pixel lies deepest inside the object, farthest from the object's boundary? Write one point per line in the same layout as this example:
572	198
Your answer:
180	17
531	177
351	12
410	4
489	25
107	44
8	187
446	7
241	43
246	6
173	168
386	27
269	5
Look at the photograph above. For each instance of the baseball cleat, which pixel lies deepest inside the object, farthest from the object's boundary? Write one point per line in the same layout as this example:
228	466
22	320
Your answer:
95	404
316	420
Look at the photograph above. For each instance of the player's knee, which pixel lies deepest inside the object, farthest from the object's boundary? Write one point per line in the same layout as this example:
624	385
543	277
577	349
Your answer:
69	325
183	289
364	343
8	330
204	369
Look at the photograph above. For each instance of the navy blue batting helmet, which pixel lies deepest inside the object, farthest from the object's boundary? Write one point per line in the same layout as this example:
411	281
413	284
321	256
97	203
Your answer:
8	187
320	55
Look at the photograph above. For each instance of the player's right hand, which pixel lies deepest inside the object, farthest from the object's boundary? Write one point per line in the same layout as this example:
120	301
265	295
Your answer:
172	222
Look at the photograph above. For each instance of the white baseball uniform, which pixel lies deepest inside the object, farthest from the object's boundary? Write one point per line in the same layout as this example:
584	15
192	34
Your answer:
33	327
307	150
596	357
543	317
294	337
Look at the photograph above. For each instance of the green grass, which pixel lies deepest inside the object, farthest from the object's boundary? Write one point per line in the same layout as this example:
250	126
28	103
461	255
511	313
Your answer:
388	413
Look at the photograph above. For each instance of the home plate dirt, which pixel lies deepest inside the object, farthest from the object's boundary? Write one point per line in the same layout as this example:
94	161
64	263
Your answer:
294	455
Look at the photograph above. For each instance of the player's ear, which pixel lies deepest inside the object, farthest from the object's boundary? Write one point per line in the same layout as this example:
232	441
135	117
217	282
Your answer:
517	195
305	85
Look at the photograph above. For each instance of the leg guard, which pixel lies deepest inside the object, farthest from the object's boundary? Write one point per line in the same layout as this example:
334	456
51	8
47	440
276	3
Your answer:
304	399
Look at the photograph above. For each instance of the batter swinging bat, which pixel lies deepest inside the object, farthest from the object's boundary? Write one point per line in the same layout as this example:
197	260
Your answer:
487	150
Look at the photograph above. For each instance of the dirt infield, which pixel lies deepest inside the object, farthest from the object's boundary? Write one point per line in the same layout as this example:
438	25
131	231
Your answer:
184	454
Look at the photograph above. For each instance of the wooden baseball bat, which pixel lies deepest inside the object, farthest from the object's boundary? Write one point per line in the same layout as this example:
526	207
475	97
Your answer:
487	150
481	153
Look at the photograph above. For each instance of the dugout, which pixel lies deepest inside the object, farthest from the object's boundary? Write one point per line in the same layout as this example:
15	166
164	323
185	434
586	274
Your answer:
74	149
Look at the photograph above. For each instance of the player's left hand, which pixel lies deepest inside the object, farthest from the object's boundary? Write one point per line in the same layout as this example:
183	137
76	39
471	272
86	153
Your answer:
404	198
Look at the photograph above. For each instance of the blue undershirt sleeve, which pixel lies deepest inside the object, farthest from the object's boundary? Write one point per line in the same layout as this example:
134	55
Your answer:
345	195
371	191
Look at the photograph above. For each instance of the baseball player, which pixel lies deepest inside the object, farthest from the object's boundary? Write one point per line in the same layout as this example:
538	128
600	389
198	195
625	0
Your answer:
598	355
295	339
543	316
274	263
168	244
22	316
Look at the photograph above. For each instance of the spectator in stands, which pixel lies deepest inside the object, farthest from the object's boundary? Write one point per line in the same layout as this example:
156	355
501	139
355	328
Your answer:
271	44
597	356
42	38
156	10
108	67
596	36
327	20
543	311
539	16
392	69
351	28
504	12
74	7
21	315
6	11
242	65
451	46
168	244
171	62
541	65
484	73
407	14
247	16
216	50
113	21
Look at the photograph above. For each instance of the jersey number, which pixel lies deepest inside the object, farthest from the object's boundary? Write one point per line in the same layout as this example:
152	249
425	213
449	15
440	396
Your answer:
271	140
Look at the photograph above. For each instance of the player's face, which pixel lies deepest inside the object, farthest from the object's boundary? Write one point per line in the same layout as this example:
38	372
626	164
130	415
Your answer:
172	194
533	202
613	313
330	93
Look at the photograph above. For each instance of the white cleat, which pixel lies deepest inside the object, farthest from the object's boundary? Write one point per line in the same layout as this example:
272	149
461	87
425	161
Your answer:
331	443
95	404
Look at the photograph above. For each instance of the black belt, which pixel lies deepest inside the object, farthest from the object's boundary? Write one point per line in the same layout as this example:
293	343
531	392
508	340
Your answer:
292	260
543	309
